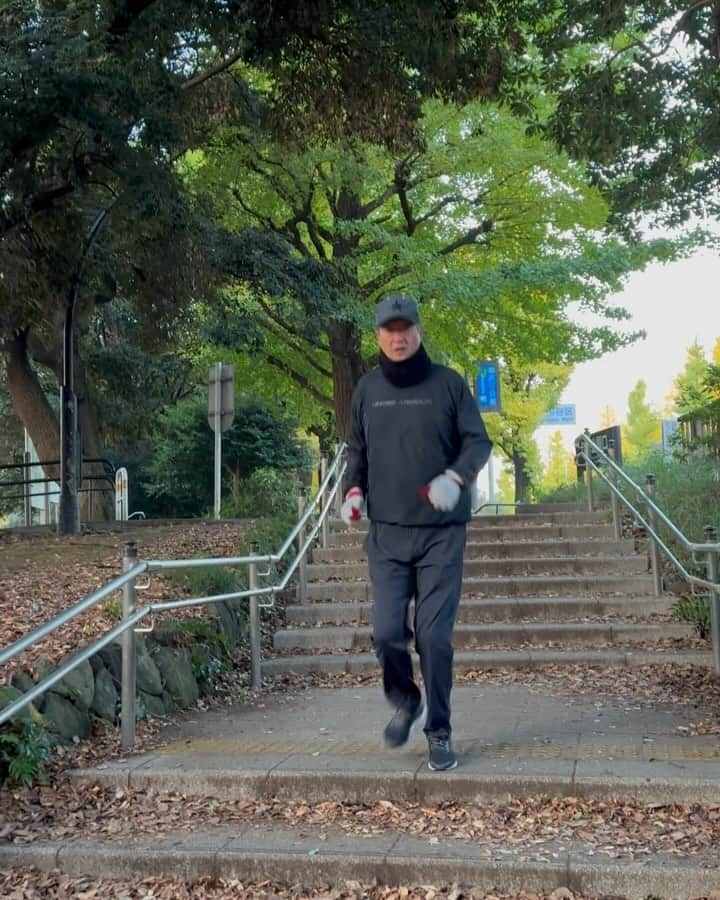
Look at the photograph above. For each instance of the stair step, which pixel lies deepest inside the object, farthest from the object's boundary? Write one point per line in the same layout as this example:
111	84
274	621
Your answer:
564	506
323	858
491	610
486	775
516	521
359	637
476	660
558	565
516	586
499	550
343	536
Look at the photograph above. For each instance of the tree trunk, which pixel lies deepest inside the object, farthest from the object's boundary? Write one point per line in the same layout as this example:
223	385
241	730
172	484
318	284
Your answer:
102	508
346	368
31	405
32	408
522	479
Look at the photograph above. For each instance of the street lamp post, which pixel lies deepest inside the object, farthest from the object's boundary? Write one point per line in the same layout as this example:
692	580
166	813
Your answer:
68	521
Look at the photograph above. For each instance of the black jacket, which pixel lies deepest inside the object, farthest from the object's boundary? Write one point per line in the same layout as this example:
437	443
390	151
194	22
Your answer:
401	438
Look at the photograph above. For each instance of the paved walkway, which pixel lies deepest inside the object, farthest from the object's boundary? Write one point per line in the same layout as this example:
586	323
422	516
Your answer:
510	740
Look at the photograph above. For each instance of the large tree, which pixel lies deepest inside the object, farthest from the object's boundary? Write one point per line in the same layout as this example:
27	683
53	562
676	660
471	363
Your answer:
498	235
643	429
98	99
690	392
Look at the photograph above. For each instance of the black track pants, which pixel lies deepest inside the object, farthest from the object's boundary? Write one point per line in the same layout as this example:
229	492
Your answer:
424	563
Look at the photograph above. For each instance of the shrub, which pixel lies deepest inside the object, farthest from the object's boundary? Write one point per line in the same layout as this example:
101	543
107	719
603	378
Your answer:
695	610
267	493
24	751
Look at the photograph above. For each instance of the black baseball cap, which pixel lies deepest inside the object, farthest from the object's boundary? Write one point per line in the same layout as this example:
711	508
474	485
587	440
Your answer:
396	306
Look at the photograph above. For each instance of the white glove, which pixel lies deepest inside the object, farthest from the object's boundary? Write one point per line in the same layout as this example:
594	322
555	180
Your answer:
352	508
444	491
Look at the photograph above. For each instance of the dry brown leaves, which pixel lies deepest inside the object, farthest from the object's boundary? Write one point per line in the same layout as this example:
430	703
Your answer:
23	884
613	828
48	575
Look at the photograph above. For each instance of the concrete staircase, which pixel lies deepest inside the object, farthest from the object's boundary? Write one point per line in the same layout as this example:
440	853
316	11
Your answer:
295	784
548	585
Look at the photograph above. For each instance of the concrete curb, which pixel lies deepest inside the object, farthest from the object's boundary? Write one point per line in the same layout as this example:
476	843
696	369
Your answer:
643	781
261	854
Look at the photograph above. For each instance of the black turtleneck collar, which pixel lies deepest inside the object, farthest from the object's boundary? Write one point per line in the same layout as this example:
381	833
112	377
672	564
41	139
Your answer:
409	372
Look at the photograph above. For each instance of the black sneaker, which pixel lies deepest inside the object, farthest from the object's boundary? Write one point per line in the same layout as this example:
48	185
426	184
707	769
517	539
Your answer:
403	723
440	753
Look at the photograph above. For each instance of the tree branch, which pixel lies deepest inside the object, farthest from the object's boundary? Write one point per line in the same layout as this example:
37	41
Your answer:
210	72
372	205
370	287
302	380
281	330
464	240
271	314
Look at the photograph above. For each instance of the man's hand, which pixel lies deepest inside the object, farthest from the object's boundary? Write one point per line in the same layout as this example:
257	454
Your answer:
443	492
352	508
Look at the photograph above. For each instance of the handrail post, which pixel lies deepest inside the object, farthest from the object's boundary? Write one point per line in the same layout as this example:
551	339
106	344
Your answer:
654	550
127	689
614	502
255	653
302	565
27	490
325	534
589	471
711	537
338	482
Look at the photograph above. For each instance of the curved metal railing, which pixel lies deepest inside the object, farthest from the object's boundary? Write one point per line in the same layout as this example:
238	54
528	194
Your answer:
305	532
707	553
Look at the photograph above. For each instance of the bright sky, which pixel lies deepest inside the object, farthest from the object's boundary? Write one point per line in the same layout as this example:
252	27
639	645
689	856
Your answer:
676	303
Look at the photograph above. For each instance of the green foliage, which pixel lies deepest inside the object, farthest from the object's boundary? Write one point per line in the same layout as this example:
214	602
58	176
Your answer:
113	607
624	77
181	471
205	581
695	610
266	493
688	492
643	430
691	393
561	493
559	474
528	391
25	750
207	670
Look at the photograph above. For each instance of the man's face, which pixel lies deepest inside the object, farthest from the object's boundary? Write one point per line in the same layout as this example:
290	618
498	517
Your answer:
398	339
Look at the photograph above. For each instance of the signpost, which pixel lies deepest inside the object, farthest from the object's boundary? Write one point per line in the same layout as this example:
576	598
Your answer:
221	414
487	393
488	386
562	414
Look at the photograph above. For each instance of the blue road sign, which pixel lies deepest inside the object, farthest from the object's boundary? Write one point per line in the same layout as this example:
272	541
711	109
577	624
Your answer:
563	414
488	386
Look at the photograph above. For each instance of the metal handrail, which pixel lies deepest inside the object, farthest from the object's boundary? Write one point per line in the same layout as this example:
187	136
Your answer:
496	505
710	549
324	497
650	502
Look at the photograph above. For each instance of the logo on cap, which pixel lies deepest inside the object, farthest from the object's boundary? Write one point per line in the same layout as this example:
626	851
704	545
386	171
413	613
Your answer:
397	304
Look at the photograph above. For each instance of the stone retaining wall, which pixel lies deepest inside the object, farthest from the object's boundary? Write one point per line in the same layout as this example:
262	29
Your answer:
176	664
